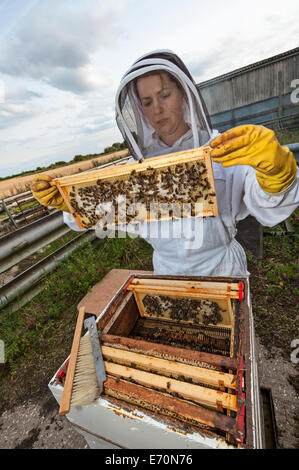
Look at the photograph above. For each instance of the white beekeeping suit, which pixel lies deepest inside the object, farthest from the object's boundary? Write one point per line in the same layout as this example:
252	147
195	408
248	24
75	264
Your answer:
189	246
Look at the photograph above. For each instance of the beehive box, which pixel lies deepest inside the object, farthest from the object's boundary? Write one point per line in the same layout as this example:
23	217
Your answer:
186	378
160	188
179	352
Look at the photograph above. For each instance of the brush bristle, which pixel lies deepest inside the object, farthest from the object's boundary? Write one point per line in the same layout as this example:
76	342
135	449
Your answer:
85	387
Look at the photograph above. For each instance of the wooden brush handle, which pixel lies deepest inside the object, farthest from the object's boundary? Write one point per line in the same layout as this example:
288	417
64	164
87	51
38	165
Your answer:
65	403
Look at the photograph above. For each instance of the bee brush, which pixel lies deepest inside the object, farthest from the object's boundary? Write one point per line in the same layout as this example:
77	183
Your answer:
69	380
90	371
86	373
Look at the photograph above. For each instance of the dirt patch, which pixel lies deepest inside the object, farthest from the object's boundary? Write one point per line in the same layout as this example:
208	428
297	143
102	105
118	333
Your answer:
30	418
27	426
8	275
281	376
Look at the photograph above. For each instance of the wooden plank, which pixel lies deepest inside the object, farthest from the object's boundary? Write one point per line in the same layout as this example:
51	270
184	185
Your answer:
169	368
69	380
168	405
205	396
170	352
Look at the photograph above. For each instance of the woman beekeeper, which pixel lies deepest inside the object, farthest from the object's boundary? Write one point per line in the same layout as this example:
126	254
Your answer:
160	111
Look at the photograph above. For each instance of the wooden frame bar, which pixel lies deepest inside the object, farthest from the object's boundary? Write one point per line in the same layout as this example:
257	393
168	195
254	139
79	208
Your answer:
170	352
204	396
228	288
168	405
170	368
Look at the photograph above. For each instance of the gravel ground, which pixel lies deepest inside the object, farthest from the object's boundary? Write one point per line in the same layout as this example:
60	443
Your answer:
36	424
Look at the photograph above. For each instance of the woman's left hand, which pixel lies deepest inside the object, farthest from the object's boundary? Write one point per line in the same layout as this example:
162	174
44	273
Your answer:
258	147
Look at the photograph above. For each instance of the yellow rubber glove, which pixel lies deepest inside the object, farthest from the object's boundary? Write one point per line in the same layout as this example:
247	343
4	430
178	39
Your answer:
46	192
258	147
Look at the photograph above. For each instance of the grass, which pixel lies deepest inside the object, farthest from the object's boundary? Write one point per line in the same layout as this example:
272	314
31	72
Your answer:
286	136
274	288
54	309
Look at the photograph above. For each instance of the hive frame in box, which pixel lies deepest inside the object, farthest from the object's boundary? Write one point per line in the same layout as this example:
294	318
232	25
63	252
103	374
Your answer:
69	185
104	424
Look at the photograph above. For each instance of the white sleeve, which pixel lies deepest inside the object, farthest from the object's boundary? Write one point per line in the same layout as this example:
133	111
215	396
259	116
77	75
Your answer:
269	209
69	220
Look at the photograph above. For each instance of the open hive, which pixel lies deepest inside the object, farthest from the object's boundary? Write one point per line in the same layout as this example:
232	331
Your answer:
174	348
161	188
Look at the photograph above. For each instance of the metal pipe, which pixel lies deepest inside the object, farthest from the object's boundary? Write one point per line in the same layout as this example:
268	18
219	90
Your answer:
27	235
295	149
29	250
18	286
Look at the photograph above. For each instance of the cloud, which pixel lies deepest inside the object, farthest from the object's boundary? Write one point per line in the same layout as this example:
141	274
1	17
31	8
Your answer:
55	44
18	104
13	113
20	94
94	127
79	81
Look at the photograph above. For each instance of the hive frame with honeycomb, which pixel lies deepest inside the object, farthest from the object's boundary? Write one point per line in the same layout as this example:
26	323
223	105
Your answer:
159	188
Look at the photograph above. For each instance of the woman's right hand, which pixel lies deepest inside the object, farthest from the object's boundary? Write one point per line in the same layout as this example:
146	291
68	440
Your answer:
46	192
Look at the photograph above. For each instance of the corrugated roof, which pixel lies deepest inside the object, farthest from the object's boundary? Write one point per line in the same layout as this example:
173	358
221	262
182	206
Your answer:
247	68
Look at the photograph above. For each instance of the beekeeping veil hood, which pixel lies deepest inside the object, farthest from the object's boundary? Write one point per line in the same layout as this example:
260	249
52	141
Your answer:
136	128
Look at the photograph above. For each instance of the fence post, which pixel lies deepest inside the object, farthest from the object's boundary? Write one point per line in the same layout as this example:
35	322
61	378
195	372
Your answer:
280	92
9	214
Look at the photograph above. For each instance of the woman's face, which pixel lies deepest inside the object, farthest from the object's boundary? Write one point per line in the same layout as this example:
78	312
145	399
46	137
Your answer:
162	104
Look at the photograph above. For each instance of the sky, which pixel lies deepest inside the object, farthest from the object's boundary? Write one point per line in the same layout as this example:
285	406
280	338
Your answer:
61	62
